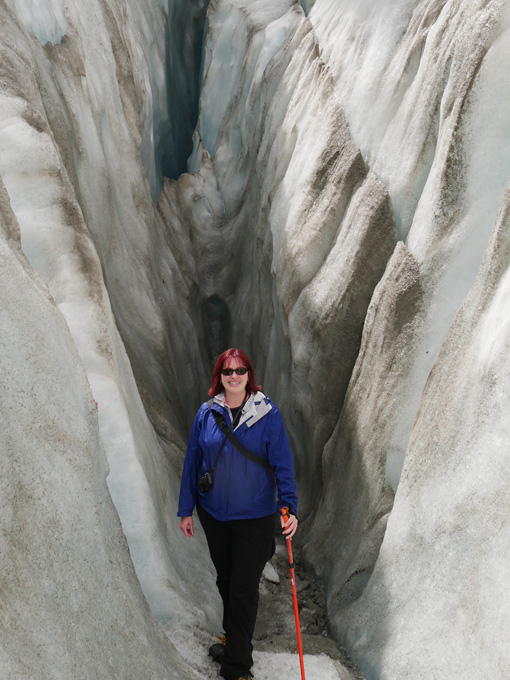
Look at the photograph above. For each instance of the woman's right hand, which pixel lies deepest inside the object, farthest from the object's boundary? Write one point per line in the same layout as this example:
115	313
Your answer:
186	526
289	526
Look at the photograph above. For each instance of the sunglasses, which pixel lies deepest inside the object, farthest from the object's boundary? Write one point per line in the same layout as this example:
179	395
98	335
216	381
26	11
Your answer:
240	371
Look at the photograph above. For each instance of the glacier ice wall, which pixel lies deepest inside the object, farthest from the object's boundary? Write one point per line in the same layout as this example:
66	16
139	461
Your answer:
436	602
342	190
428	73
81	234
72	606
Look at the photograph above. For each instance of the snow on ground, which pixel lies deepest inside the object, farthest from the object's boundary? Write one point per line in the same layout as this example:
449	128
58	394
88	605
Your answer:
267	665
320	667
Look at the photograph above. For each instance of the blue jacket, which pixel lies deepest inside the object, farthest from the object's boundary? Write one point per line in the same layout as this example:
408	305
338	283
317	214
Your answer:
242	489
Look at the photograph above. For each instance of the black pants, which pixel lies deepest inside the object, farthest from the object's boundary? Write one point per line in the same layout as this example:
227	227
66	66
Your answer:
239	551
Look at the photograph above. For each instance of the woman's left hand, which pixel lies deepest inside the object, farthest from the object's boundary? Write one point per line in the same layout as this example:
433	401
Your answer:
290	527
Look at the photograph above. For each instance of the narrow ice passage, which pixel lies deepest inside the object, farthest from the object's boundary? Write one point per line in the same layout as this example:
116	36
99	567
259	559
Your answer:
345	220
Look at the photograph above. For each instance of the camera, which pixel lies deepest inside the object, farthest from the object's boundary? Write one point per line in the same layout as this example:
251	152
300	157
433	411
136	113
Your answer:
205	482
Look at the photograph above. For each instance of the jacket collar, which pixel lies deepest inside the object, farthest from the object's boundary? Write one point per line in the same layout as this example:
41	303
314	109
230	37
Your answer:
257	406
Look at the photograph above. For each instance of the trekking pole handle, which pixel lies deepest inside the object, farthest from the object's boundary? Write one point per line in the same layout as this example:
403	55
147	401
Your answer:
286	517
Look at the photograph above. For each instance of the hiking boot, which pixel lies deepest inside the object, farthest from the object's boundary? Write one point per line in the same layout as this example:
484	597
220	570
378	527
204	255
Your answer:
217	651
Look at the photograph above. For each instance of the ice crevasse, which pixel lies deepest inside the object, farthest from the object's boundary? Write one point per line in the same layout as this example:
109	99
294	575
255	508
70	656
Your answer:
344	218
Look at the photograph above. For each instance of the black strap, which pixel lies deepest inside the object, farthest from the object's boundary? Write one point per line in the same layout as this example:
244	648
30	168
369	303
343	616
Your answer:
219	452
227	431
234	422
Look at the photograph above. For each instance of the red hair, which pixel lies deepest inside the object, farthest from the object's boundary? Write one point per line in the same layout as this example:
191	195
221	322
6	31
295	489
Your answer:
216	385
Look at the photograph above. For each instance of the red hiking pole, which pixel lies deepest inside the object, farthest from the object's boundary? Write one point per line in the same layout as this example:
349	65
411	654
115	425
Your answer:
285	515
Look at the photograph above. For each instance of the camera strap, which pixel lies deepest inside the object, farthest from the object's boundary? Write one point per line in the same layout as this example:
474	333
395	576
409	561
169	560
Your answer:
221	448
220	421
225	429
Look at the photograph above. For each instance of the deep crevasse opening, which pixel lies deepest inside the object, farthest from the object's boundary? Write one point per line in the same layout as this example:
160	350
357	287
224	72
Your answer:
174	58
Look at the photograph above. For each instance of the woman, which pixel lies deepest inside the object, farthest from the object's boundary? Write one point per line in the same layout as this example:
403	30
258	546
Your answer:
237	511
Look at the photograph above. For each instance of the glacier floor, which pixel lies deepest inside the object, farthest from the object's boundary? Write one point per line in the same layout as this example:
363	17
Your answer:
275	648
